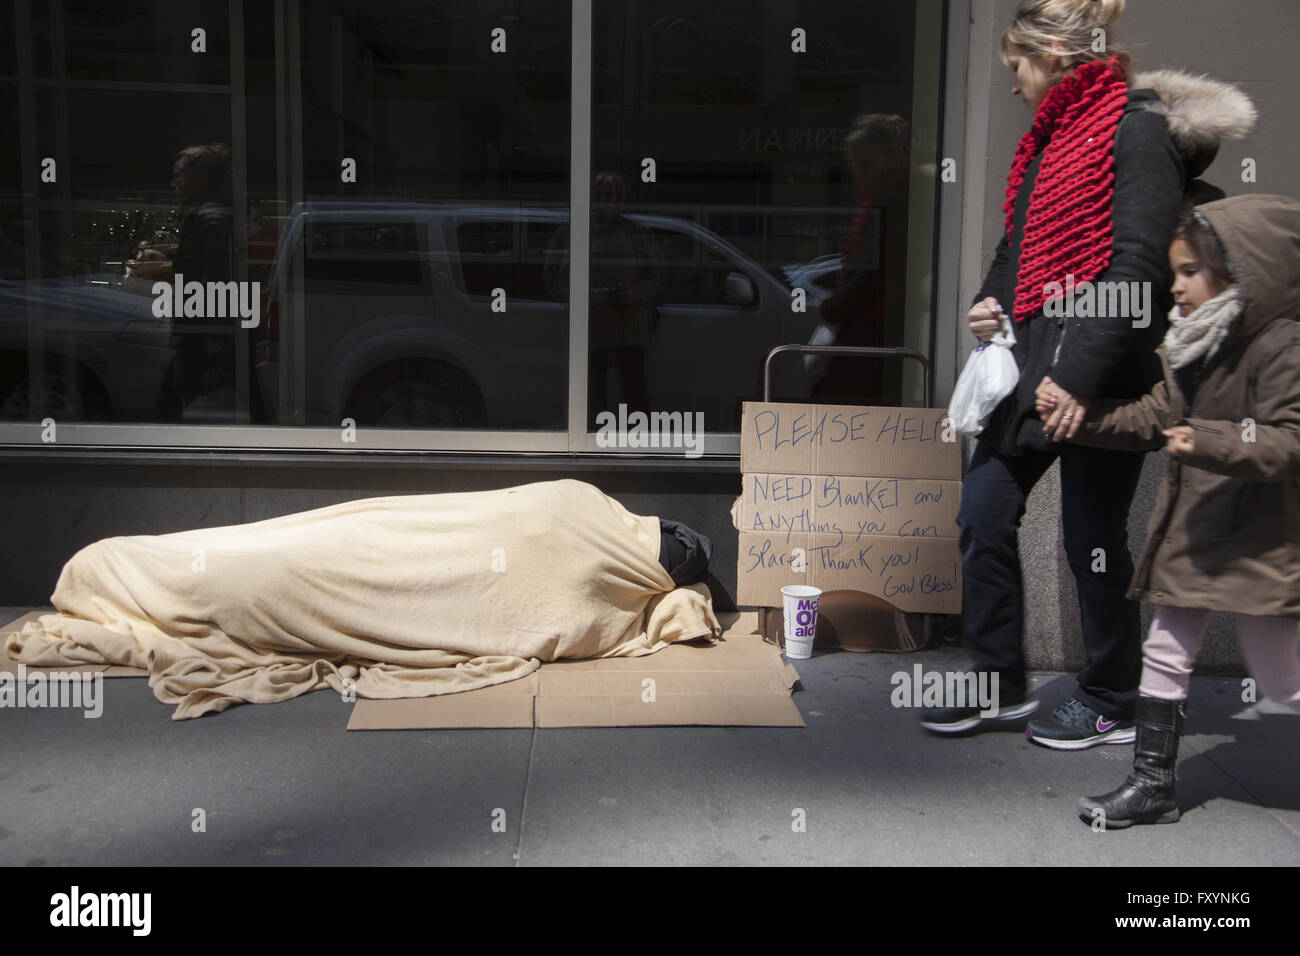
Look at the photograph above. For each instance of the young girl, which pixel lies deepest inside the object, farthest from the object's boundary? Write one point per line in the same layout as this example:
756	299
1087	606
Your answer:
1225	531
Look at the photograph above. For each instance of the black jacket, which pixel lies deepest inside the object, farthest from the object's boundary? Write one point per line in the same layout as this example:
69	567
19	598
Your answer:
205	243
1098	356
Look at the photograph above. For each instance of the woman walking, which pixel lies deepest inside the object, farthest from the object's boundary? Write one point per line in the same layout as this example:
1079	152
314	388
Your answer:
1092	197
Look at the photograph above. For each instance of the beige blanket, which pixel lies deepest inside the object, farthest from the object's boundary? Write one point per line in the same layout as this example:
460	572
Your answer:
391	597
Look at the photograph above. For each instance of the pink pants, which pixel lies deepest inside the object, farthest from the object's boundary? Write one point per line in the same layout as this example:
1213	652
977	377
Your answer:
1271	646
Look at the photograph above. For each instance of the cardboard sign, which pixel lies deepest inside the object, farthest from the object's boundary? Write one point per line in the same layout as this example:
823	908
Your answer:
854	440
849	497
843	504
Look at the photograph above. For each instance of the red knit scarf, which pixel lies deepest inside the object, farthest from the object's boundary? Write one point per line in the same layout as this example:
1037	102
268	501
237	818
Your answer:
1068	225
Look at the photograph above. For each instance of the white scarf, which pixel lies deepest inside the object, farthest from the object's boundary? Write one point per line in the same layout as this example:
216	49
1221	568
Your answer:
1201	332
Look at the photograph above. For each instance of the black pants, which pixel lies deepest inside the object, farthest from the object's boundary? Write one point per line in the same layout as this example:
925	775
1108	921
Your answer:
1097	488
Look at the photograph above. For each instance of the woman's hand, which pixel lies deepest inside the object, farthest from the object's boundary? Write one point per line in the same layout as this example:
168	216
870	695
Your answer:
1045	397
985	318
1181	441
1065	414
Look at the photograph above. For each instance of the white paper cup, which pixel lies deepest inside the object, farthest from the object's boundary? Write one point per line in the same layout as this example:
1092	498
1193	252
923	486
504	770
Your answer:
800	602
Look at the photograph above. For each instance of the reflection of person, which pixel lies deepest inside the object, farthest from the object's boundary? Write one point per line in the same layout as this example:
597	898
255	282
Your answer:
204	246
203	252
626	280
1229	538
1064	214
877	149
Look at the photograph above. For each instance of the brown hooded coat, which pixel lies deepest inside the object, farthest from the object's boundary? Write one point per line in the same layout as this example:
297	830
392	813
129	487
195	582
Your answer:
1225	531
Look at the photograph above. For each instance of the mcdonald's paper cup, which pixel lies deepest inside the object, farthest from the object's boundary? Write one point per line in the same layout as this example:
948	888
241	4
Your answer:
800	619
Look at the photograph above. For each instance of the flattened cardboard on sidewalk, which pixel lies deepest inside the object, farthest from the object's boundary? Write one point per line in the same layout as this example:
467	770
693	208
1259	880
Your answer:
738	681
10	666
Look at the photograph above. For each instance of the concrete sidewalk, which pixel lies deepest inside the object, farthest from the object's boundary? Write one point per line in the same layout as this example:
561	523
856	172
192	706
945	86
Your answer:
286	784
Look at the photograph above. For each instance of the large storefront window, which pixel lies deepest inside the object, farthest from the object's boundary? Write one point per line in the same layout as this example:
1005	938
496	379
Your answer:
249	223
420	303
757	148
97	204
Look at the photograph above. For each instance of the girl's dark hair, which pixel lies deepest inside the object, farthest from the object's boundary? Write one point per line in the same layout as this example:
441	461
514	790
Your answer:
1194	230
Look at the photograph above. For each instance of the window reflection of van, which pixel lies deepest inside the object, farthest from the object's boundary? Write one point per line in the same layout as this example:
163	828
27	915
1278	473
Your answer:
400	322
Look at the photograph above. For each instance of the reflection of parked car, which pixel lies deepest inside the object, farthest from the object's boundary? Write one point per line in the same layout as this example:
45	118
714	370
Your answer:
104	355
389	314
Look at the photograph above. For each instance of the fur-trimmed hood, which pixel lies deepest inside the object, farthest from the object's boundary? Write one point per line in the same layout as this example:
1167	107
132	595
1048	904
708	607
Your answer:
1202	113
1260	235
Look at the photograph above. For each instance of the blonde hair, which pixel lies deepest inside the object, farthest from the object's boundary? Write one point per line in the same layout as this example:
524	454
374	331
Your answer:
1063	31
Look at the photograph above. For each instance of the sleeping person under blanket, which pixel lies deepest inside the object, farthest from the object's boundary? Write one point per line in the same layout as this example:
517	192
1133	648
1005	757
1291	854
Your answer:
408	596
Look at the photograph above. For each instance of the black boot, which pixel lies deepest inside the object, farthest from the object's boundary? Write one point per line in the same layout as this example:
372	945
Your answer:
1147	796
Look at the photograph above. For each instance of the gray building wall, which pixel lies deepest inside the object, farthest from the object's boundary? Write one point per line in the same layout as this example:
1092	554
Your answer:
1250	43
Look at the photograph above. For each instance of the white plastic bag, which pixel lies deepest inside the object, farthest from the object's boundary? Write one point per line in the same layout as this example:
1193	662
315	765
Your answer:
826	333
989	376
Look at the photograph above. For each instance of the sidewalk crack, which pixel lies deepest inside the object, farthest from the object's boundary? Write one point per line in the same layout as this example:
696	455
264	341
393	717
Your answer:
528	776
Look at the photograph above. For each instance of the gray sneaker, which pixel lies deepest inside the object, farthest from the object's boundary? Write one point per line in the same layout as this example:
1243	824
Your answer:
1076	726
956	720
